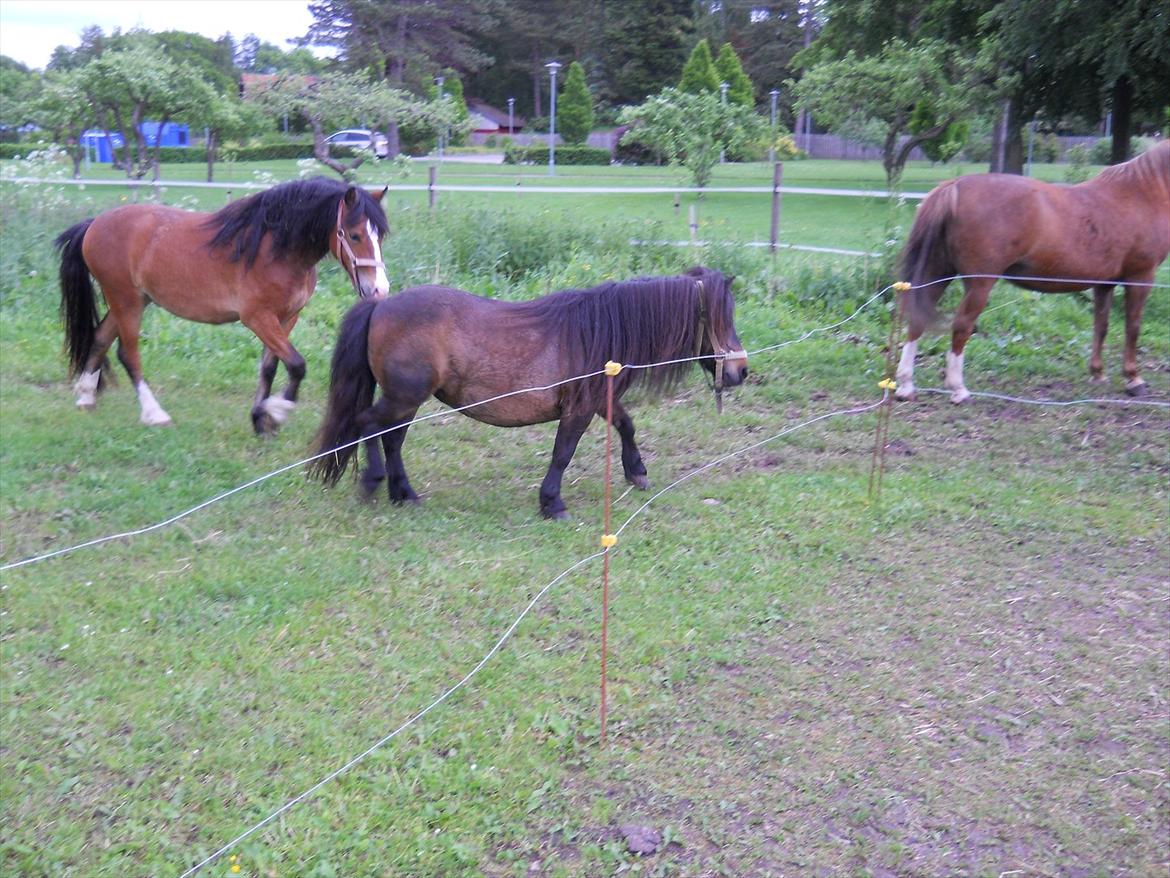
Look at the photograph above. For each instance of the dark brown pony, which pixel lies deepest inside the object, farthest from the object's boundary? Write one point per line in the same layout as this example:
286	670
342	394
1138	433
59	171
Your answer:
1114	229
464	349
253	261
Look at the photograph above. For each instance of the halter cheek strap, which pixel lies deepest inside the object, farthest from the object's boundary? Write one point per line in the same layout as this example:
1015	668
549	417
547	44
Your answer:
343	247
718	352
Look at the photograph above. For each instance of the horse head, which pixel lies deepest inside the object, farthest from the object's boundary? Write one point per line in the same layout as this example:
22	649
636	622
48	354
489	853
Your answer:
357	243
716	340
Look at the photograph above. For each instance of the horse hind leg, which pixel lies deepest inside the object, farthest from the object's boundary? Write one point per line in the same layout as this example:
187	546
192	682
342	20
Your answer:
1102	303
89	382
917	319
974	301
152	414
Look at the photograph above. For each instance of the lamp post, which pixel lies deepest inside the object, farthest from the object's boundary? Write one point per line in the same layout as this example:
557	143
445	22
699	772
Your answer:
439	82
553	67
723	86
511	106
773	94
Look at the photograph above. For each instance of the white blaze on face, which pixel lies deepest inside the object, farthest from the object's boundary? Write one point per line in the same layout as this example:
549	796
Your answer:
381	282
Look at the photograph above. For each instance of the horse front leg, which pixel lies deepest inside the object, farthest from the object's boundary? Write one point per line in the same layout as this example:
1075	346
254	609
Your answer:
1102	303
1136	292
569	433
974	301
632	465
270	411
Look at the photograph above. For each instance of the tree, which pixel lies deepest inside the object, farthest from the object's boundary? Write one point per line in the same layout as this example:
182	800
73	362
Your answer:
19	89
699	73
227	117
740	89
65	111
872	98
131	85
575	112
948	143
692	128
342	100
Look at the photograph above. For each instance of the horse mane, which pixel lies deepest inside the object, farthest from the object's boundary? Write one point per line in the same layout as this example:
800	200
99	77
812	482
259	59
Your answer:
635	322
1151	168
300	216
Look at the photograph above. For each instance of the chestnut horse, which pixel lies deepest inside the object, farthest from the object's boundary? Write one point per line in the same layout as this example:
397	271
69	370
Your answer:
253	261
465	350
1113	229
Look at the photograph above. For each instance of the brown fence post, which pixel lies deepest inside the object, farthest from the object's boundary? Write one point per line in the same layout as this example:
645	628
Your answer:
433	172
777	175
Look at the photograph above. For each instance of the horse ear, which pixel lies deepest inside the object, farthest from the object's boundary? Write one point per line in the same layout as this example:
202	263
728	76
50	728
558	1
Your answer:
378	196
351	196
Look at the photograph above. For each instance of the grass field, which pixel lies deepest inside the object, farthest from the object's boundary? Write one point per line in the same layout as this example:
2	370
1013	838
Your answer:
968	677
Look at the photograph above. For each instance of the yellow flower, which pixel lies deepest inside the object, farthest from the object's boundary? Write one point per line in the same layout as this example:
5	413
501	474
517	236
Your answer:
235	867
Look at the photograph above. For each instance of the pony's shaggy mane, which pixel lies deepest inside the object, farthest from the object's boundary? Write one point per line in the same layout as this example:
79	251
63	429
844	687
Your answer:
635	322
300	216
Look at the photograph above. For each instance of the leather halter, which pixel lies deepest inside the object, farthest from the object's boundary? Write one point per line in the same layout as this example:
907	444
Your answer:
718	352
355	261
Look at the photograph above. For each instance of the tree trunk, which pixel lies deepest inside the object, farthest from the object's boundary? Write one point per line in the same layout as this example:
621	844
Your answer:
1007	141
210	156
536	71
1122	119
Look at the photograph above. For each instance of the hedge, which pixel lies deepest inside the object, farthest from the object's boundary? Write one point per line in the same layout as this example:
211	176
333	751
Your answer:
566	155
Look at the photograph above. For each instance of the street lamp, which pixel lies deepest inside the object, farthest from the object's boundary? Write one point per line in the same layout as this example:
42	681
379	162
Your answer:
773	94
439	80
723	86
553	67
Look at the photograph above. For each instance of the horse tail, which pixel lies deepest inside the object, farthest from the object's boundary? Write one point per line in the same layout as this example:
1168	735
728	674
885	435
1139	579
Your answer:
79	310
351	392
926	256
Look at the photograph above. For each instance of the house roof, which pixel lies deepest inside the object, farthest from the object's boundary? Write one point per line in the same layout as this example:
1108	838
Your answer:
498	117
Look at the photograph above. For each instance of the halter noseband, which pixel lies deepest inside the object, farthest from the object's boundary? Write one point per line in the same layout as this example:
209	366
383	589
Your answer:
355	261
718	352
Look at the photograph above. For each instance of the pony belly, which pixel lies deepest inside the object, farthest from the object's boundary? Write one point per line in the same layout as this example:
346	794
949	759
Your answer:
517	408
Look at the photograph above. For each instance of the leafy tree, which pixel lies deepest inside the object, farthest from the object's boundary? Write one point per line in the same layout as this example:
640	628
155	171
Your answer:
730	70
642	45
690	129
871	98
575	110
65	111
227	117
212	60
452	94
131	85
19	88
950	140
342	100
699	73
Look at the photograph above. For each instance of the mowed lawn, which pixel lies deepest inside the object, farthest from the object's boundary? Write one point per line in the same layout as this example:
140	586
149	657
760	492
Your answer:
967	675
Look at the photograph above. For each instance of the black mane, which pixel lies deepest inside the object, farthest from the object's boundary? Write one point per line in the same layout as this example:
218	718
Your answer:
299	215
635	322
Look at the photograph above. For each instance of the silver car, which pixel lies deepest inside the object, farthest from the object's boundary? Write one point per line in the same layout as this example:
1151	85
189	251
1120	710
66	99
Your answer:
361	138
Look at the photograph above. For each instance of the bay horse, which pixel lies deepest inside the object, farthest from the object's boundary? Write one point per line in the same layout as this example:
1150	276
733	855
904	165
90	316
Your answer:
464	349
253	261
1113	229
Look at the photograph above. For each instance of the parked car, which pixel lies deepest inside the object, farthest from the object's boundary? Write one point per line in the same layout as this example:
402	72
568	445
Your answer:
361	138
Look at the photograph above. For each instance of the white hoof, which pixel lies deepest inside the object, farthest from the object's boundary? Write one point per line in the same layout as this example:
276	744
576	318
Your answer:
905	391
156	419
86	405
279	408
960	395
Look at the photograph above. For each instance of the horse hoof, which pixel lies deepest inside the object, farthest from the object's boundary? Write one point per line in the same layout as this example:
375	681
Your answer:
1137	388
960	396
640	482
909	396
561	515
158	422
86	406
1098	378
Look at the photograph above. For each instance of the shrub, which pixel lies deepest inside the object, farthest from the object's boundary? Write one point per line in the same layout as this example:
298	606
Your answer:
537	154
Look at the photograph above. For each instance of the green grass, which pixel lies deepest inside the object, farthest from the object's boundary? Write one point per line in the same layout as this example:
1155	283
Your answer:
967	677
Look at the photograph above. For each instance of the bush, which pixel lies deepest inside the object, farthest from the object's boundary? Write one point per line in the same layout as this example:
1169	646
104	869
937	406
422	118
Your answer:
566	155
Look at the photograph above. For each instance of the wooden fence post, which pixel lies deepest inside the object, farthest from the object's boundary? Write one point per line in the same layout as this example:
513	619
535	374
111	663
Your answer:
777	175
433	172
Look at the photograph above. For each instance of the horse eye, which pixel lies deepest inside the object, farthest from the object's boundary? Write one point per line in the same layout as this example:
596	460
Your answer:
355	236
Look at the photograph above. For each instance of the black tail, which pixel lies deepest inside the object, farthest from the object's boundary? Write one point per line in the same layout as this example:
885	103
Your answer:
926	256
351	392
78	299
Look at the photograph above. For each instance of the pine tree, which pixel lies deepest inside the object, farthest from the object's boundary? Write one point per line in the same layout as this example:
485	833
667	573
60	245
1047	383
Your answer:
699	74
728	68
575	107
